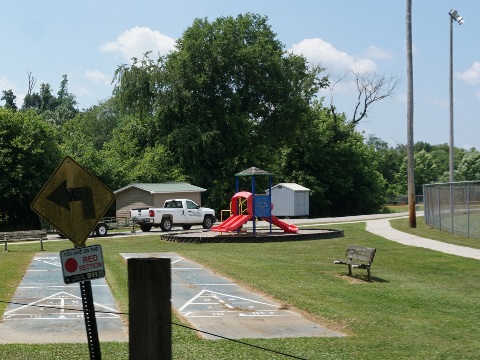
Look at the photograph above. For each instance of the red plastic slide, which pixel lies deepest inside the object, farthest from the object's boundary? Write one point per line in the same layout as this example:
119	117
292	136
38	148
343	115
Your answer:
290	228
233	223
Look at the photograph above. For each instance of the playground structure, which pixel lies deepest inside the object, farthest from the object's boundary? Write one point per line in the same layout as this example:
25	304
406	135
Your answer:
239	217
257	206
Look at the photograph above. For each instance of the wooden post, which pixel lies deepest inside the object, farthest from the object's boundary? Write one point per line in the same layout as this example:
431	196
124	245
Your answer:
150	316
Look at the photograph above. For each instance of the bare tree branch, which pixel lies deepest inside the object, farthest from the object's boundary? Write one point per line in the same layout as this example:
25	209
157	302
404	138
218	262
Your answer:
32	80
371	88
332	87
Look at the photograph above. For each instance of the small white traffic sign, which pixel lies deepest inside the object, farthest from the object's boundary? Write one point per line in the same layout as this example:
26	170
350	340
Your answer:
82	264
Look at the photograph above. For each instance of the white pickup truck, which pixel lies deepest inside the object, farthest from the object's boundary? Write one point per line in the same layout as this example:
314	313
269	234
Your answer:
175	212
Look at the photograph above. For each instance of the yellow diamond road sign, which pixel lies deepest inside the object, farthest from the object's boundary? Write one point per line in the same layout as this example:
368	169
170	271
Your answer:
73	201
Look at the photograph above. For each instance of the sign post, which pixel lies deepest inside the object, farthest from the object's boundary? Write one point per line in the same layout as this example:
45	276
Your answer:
90	320
74	201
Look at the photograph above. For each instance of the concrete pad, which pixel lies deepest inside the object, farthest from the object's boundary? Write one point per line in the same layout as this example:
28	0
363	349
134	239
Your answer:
214	304
54	311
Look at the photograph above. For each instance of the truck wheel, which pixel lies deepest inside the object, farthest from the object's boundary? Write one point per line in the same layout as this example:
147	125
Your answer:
166	224
101	229
145	228
186	227
207	222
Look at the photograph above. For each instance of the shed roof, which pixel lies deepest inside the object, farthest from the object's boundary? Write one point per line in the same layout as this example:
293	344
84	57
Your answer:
158	188
291	186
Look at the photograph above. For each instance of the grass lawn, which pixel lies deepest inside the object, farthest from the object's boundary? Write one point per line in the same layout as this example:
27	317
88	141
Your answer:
421	304
401	208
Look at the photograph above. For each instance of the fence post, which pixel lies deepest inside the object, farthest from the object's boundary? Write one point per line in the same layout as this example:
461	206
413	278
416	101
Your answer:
439	209
150	317
468	209
41	240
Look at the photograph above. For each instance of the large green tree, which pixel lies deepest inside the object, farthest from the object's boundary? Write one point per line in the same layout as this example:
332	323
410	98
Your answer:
55	110
331	158
9	98
469	167
388	160
132	161
229	97
28	156
425	173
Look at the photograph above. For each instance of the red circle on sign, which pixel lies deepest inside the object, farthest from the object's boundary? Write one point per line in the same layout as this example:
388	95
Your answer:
71	265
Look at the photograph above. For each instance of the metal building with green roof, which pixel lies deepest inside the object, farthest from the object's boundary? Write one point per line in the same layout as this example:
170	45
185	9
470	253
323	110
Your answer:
142	195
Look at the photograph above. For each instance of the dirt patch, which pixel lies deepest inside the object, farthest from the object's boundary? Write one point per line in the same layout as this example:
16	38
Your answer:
354	279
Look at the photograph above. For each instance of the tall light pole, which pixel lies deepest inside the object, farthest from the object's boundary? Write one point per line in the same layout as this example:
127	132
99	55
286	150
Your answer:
453	17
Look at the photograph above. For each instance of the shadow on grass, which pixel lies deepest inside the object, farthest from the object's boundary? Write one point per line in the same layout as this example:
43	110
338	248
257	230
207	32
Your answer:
362	279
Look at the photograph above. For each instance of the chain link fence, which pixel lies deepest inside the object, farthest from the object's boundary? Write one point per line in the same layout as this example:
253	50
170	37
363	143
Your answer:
453	207
403	200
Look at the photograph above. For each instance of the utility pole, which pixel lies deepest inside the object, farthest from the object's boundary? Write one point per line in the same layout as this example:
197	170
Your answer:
412	216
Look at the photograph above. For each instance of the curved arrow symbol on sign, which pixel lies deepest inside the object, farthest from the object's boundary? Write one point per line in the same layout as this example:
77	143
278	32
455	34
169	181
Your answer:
62	196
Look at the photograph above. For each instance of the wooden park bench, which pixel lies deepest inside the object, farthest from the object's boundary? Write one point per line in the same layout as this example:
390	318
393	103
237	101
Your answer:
358	257
29	235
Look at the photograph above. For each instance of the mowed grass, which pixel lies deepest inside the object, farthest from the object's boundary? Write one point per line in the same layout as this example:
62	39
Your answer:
402	208
421	304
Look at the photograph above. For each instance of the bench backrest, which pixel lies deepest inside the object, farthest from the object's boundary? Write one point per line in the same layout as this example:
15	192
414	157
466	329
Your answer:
23	235
355	252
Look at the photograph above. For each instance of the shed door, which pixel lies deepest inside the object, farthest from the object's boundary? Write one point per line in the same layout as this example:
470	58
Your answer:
301	206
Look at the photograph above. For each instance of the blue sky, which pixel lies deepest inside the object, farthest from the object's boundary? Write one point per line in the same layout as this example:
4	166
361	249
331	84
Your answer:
88	40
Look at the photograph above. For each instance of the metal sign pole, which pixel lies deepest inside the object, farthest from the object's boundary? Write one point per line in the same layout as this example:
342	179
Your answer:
90	320
57	202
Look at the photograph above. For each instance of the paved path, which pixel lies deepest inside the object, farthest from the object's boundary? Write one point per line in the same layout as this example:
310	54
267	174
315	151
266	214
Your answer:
379	224
383	228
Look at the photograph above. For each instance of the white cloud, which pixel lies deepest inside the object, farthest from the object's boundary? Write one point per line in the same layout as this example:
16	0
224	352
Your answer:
472	75
377	53
6	85
318	51
441	103
137	41
82	91
97	77
477	94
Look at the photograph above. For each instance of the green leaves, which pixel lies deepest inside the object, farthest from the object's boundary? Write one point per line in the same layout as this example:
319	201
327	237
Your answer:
331	159
28	155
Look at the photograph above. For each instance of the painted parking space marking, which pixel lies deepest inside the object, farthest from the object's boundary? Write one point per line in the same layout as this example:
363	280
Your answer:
216	305
44	309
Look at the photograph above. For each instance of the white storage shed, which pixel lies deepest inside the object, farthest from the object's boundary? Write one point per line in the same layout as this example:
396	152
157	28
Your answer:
290	199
